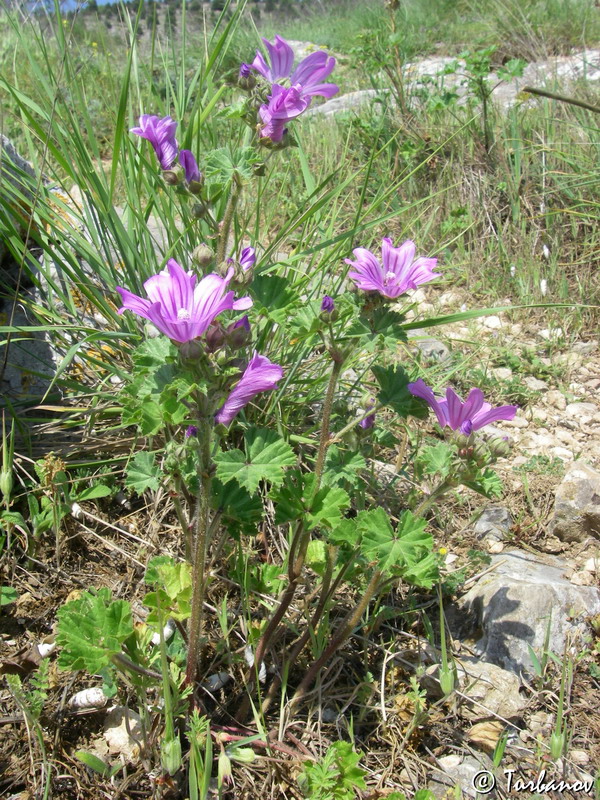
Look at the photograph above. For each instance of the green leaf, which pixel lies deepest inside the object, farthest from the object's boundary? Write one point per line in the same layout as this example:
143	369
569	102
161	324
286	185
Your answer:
142	473
173	595
154	352
343	466
347	534
273	296
91	630
94	492
265	459
239	509
336	776
94	763
220	166
392	550
381	326
293	501
316	556
487	483
393	382
8	595
327	506
437	460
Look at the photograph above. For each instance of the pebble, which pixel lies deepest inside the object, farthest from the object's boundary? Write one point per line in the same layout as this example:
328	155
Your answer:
581	411
493	323
585	348
556	399
579	757
502	373
562	453
517	422
550	333
592	564
535	384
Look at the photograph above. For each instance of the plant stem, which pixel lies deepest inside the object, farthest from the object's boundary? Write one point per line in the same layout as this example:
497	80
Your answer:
344	632
228	218
301	538
340	434
123	661
327	405
199	548
443	487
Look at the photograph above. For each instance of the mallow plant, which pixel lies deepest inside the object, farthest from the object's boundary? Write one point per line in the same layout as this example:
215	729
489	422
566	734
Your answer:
229	352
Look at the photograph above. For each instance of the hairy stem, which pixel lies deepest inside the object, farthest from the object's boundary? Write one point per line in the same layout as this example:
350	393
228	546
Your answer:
236	191
199	549
345	630
439	490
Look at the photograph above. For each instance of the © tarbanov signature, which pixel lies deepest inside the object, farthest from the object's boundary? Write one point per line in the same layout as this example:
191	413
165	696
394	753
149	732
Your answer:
484	782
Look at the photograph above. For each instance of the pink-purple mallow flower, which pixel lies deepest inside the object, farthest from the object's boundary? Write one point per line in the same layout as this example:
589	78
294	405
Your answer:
190	166
327	304
284	104
161	135
292	90
308	76
398	272
261	375
464	416
179	305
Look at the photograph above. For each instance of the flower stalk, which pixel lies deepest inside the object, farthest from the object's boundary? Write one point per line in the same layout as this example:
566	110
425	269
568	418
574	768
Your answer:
199	546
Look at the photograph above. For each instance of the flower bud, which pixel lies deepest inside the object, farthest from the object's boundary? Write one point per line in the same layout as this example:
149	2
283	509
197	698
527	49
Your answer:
238	333
191	350
328	310
195	187
199	210
203	255
6	483
260	169
170	755
246	78
214	337
173	176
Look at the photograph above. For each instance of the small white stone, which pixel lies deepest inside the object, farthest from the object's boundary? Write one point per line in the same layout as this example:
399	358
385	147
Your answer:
579	757
556	399
535	384
494	323
502	373
582	578
215	682
592	564
562	453
495	547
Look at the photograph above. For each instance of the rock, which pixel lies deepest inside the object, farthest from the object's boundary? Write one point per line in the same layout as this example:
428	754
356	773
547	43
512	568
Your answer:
585	348
581	412
550	333
16	176
555	399
561	452
353	101
510	608
433	350
454	770
502	373
489	690
123	733
493	524
577	505
493	322
450	298
534	384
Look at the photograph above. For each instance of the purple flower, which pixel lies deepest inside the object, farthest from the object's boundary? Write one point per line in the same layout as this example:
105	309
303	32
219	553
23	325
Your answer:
284	105
247	258
261	375
190	166
308	75
327	305
367	422
161	135
181	307
398	273
245	71
192	430
467	416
